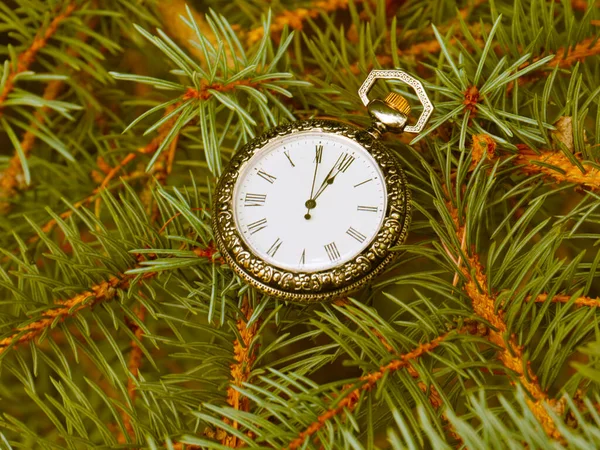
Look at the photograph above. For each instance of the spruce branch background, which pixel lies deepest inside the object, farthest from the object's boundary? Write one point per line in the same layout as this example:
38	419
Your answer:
121	327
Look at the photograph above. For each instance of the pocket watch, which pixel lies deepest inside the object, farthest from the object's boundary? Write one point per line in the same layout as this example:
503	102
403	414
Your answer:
311	210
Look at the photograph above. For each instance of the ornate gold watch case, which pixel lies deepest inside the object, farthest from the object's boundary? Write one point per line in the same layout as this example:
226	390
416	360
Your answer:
390	114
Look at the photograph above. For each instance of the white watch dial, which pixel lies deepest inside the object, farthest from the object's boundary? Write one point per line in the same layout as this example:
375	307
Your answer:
310	201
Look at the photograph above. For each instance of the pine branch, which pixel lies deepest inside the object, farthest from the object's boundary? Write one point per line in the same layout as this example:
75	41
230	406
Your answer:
27	58
556	165
11	178
171	12
349	400
434	396
245	355
579	301
295	18
50	224
102	292
134	364
510	354
568	56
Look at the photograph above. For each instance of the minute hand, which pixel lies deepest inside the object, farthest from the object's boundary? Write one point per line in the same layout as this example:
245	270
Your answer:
342	163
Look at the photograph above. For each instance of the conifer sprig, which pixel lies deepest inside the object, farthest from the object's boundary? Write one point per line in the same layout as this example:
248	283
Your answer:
119	323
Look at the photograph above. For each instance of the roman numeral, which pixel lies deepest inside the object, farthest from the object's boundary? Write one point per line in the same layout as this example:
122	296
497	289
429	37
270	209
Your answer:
255	227
270	178
356	235
364	182
319	154
271	252
287	155
367	208
255	199
303	257
332	251
344	162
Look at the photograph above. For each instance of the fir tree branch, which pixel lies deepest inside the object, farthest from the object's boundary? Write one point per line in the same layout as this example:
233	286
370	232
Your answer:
64	309
134	363
552	163
49	225
434	396
510	353
351	397
244	355
566	58
171	12
10	179
579	301
148	149
27	58
295	18
556	165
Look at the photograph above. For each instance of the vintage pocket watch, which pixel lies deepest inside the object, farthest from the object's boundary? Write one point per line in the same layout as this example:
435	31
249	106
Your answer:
309	210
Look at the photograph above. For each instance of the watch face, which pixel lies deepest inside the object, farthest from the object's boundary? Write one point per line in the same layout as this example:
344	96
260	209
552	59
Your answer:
309	201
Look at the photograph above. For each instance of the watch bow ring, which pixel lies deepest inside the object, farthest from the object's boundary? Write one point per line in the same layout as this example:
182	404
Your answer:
310	210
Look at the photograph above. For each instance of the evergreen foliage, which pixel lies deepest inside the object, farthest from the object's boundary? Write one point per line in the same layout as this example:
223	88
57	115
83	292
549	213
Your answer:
120	326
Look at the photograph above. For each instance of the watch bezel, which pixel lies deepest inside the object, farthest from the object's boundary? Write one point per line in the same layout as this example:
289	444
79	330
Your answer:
327	284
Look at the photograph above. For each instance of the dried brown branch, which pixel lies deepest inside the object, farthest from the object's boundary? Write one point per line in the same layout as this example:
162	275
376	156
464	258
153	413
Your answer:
350	398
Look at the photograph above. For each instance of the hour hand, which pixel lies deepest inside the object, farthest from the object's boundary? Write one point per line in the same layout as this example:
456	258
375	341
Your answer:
341	165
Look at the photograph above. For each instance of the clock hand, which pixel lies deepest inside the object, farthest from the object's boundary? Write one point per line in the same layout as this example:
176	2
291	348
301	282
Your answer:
342	163
329	179
310	202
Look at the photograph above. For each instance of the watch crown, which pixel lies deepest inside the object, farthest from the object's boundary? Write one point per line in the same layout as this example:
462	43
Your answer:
398	102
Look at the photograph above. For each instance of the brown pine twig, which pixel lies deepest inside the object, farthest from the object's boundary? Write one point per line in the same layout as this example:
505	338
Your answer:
148	149
98	293
133	365
510	353
585	49
583	5
567	171
245	353
296	18
350	399
10	179
566	57
26	58
561	170
434	396
580	301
